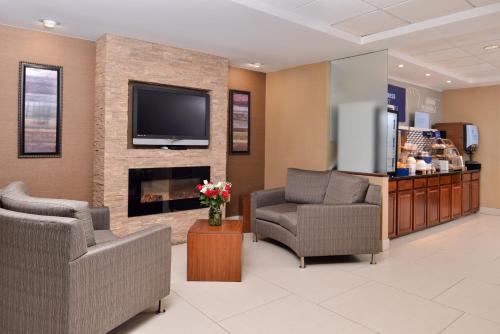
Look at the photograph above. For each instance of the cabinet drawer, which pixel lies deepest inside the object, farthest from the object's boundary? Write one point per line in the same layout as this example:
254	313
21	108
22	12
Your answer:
475	176
445	179
466	177
420	183
433	181
393	186
456	178
405	184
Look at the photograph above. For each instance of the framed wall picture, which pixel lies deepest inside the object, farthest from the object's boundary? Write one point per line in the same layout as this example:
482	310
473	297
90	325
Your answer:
40	107
239	122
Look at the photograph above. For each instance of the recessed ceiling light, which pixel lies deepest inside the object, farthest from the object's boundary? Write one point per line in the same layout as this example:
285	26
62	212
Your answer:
491	47
448	81
401	65
255	65
49	24
427	74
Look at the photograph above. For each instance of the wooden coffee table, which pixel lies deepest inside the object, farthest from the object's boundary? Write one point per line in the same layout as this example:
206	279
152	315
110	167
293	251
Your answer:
214	253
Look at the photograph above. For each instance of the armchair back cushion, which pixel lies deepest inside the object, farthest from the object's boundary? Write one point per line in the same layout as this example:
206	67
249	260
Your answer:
306	186
16	198
346	189
374	194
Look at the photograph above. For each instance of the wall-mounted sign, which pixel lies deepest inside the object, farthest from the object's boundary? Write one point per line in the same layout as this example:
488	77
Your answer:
396	96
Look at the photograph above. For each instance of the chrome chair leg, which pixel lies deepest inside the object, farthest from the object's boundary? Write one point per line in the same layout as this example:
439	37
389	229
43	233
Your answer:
302	262
373	260
255	238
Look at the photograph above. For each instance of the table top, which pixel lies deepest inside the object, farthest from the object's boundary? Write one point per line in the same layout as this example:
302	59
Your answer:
227	227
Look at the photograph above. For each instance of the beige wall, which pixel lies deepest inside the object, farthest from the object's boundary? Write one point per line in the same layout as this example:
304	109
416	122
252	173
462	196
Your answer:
120	60
246	171
296	121
480	106
71	175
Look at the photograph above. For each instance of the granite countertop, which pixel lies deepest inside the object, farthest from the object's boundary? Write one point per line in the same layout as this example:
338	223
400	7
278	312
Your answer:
395	178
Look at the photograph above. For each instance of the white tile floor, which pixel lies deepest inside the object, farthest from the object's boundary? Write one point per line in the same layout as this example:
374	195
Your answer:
442	280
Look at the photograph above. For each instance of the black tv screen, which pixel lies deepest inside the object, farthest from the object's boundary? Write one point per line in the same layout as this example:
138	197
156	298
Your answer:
170	116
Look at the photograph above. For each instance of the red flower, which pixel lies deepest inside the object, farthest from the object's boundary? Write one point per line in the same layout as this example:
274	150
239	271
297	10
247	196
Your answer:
199	187
215	192
225	194
227	187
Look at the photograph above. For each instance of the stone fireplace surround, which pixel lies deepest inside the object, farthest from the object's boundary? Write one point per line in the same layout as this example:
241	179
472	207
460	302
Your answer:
120	60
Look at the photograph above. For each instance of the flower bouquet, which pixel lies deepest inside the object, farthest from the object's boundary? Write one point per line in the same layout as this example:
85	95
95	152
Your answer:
214	196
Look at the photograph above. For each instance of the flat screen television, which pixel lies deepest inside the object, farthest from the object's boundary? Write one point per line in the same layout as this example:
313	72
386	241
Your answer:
170	116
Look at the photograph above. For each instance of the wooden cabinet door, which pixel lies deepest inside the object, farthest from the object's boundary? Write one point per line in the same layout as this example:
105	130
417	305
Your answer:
419	209
405	205
474	195
432	206
466	198
456	200
445	203
392	214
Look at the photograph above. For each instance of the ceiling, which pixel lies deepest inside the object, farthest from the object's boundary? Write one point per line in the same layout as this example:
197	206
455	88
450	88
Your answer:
442	38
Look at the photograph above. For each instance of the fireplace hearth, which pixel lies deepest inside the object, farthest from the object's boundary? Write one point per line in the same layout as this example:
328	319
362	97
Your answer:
161	190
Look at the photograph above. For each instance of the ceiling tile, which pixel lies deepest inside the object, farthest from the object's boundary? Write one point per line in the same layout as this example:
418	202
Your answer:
426	47
478	48
442	55
460	62
470	70
370	23
287	4
482	35
331	12
385	3
492	58
485	74
420	10
478	3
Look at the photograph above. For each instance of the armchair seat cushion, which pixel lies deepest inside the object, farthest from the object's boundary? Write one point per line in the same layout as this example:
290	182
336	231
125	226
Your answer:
272	213
288	220
102	236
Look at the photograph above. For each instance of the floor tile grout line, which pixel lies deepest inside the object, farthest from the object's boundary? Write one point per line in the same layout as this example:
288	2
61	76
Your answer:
451	323
253	308
448	289
199	310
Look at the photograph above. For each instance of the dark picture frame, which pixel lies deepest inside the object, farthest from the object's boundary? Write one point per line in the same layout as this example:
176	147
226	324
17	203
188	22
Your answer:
40	110
239	122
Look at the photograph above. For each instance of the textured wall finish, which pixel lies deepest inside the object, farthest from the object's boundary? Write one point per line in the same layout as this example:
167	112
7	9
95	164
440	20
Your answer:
120	60
71	175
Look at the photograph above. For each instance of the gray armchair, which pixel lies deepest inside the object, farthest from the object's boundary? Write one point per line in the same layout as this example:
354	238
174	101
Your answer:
320	214
52	281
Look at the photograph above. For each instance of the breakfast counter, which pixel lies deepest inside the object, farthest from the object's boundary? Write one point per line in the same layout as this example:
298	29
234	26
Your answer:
422	201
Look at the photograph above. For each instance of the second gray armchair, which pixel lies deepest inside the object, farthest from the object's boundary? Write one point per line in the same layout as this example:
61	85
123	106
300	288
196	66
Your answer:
320	214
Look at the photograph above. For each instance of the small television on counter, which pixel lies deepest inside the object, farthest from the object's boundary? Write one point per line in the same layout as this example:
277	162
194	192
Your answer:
170	116
471	137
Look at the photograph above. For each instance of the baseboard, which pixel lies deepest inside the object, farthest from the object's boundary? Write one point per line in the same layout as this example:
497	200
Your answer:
489	211
385	244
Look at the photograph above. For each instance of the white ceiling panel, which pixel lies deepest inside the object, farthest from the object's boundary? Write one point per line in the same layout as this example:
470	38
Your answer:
485	74
426	47
286	4
470	70
478	48
420	10
460	62
332	12
385	3
370	23
479	3
492	58
442	55
483	35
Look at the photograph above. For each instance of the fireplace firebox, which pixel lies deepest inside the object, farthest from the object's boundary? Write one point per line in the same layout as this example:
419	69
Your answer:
159	190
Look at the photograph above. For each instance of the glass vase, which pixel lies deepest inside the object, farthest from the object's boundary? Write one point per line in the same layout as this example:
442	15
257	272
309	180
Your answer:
215	216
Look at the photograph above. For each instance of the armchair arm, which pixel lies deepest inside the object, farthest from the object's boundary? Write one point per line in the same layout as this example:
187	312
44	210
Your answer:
338	229
100	218
264	198
119	279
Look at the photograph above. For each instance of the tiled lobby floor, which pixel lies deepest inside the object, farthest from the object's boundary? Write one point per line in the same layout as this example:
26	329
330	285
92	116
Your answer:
442	280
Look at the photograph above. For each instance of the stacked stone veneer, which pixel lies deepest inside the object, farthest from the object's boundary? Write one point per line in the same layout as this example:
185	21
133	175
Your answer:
120	60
